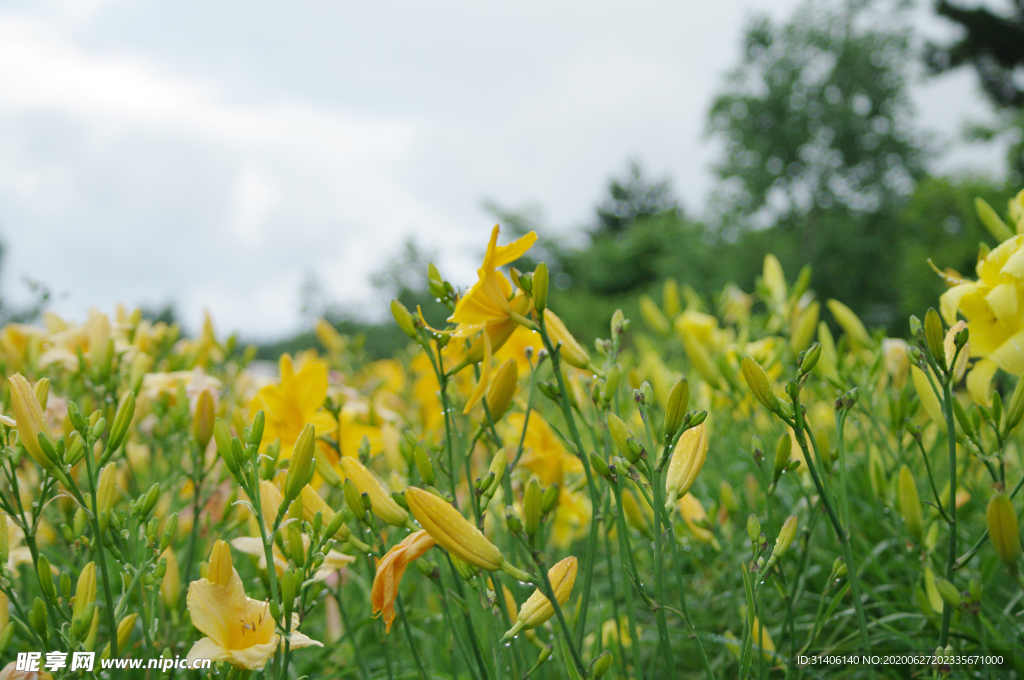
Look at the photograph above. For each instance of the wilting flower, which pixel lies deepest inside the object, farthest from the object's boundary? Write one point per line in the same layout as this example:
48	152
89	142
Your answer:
238	629
390	570
488	307
538	608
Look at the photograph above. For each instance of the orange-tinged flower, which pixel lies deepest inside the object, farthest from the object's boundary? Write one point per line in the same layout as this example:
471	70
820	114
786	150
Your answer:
238	629
390	570
488	307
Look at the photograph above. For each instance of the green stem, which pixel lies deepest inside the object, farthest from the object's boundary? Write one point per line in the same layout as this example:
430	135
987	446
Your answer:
626	549
408	635
947	406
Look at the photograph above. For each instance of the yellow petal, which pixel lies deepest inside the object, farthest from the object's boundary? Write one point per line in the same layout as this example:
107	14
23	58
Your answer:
208	649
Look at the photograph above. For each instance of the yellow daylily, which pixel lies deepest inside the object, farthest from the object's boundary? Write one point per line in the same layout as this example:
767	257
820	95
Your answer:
238	629
296	400
488	308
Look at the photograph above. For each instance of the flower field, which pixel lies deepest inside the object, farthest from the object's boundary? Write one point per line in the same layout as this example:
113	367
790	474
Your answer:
759	487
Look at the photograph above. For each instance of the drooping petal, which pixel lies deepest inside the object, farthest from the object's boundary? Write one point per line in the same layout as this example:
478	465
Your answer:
206	648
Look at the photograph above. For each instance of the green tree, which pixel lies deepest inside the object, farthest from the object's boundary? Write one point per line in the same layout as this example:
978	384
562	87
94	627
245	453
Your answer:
815	122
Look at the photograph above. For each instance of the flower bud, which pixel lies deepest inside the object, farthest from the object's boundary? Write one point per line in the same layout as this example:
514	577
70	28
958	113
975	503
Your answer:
451	530
950	595
85	593
855	331
46	578
810	358
256	431
540	287
502	389
302	464
619	433
601	665
43	391
549	498
675	408
572	352
760	386
802	330
782	452
170	584
754	529
991	220
383	505
950	345
106	493
653	316
910	503
329	337
537	609
933	337
532	507
619	324
404	319
600	466
28	413
687	460
423	464
222	436
169	529
1003	529
122	420
785	539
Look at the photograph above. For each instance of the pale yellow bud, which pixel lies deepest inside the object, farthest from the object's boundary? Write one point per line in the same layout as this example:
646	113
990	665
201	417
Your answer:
687	460
451	530
949	349
170	586
329	337
804	324
850	323
572	352
381	503
774	280
502	389
538	608
312	503
910	503
220	570
1003	529
28	413
653	316
760	386
85	590
106	493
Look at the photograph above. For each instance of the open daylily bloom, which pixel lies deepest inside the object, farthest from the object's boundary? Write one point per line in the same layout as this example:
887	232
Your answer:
390	570
296	400
994	315
487	308
238	629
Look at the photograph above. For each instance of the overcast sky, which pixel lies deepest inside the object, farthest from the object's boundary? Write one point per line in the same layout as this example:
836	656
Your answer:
213	153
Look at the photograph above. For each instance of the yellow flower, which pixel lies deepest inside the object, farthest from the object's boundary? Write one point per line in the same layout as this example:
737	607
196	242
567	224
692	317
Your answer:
390	570
544	455
296	400
992	308
452	531
11	672
538	608
696	518
29	415
488	307
381	502
239	630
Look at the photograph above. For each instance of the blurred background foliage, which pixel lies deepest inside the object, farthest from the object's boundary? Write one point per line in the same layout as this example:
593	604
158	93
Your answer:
820	164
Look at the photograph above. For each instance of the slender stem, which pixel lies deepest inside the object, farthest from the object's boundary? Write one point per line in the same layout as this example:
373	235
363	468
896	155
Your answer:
947	406
107	592
659	573
588	568
408	635
626	549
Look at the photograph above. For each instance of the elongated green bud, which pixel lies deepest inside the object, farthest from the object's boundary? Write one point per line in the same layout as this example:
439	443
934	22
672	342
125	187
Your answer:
754	529
950	595
540	287
601	665
600	466
532	507
810	358
620	435
46	578
933	337
222	436
123	418
991	220
910	503
675	408
1003	529
404	319
549	498
256	431
782	452
760	386
1015	411
423	464
302	464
